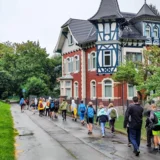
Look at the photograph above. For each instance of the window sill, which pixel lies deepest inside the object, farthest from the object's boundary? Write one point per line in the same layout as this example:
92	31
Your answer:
92	70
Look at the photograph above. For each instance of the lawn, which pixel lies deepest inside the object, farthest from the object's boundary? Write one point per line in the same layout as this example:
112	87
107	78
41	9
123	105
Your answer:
119	126
6	133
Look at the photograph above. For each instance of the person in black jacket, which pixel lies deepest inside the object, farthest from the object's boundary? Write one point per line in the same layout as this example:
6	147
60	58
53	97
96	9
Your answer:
134	119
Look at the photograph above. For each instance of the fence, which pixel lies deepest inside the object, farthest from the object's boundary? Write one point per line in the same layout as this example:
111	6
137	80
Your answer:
118	103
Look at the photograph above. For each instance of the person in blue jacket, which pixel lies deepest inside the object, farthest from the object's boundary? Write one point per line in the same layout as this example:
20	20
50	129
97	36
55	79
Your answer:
103	118
81	111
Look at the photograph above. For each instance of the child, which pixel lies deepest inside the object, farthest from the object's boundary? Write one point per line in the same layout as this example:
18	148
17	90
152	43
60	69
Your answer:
74	110
102	115
90	117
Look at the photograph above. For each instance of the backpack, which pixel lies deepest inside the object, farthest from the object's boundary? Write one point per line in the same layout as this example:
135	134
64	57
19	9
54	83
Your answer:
41	105
52	104
82	108
90	112
156	126
113	114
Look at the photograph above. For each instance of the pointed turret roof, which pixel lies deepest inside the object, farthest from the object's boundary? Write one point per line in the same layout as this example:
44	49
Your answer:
145	10
107	9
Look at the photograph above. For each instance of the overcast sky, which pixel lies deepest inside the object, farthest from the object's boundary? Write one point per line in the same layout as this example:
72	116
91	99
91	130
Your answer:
22	20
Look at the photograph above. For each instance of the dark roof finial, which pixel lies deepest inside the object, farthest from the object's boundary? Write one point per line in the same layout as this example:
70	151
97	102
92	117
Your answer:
145	1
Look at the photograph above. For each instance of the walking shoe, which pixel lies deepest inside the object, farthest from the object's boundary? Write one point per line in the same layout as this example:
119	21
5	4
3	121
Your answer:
148	145
129	144
137	153
89	132
103	136
75	120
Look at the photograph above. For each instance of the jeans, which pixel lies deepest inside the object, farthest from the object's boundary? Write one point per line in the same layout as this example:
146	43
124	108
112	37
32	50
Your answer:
103	128
135	137
81	116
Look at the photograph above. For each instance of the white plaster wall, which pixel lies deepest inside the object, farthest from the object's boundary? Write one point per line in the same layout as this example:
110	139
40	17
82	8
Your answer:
114	57
113	26
100	27
100	58
67	48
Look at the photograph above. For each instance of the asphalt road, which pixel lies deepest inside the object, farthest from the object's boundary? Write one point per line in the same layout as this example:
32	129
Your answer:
43	139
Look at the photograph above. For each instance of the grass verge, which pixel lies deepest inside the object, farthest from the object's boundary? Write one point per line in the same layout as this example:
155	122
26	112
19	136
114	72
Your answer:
7	133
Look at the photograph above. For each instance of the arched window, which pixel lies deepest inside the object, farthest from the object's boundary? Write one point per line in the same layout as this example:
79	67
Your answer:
148	31
107	88
69	64
92	61
93	89
76	63
76	90
155	32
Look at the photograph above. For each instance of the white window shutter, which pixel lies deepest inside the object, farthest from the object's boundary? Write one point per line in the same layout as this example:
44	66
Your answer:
89	65
72	60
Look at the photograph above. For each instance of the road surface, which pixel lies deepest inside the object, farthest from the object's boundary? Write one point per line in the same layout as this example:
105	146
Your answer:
41	138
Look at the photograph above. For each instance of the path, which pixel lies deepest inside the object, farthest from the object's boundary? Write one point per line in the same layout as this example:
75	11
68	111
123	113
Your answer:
44	139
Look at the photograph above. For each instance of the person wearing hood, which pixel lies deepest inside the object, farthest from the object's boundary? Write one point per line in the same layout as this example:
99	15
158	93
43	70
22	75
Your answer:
103	118
74	110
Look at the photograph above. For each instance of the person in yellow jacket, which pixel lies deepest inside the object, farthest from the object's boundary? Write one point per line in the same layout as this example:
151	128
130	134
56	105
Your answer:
74	110
40	107
63	108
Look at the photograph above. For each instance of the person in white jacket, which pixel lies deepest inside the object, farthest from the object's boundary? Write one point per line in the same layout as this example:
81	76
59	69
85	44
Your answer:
112	115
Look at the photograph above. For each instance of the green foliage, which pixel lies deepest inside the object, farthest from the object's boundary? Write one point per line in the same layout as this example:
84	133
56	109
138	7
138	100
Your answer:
6	133
35	86
26	60
145	75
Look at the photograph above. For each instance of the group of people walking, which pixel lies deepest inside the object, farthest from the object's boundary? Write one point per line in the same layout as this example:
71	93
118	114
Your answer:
132	121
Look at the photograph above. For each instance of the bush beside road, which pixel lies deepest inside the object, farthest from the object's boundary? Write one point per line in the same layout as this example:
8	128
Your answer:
7	148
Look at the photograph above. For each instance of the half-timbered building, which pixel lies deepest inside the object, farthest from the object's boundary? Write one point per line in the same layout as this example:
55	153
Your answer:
92	49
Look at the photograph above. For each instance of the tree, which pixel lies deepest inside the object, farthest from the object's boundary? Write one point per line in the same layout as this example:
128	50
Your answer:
26	60
154	9
35	86
141	74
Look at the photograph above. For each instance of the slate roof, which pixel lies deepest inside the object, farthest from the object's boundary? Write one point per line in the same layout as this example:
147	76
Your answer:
128	16
145	10
107	9
130	32
82	30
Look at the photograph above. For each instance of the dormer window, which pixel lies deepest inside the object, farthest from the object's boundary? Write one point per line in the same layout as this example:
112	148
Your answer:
70	39
107	28
148	31
155	32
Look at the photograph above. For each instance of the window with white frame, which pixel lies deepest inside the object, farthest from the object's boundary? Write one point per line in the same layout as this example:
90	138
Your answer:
68	83
107	58
155	32
131	91
107	28
107	88
76	63
76	90
69	64
70	39
93	89
92	61
68	92
148	31
134	56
